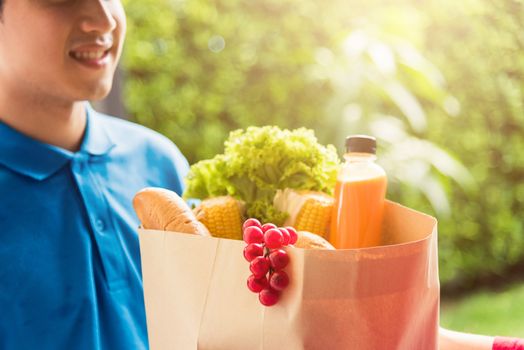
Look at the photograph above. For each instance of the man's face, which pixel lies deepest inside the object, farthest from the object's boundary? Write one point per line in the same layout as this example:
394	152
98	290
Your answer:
62	49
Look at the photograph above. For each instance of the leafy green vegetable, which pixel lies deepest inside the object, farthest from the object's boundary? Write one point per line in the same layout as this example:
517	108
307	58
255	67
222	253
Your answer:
259	161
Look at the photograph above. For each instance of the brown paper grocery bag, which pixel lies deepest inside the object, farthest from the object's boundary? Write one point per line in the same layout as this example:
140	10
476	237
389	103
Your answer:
375	298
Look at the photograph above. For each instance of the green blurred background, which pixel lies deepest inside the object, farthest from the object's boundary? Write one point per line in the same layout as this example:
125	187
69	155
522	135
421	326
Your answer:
440	83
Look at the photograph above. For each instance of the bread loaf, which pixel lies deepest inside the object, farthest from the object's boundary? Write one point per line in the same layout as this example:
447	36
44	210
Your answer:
308	240
162	209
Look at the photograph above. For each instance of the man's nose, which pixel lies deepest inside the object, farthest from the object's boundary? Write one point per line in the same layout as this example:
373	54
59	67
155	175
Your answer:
97	17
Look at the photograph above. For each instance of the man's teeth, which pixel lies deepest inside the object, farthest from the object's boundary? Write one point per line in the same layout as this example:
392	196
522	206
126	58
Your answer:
88	55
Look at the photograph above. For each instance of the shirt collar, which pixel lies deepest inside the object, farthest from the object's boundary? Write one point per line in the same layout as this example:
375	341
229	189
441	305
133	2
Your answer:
38	160
97	141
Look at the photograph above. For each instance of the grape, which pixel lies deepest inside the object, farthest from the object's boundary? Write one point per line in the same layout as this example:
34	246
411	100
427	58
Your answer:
259	266
251	251
267	238
256	285
278	259
268	226
251	222
273	238
279	280
293	236
285	234
268	297
253	234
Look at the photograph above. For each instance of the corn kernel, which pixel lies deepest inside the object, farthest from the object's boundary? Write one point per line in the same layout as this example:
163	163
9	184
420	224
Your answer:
222	216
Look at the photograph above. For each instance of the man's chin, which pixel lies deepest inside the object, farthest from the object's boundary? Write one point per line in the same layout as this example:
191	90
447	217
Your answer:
97	93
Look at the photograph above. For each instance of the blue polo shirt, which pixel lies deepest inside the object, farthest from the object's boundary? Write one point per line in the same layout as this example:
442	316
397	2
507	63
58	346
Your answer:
70	273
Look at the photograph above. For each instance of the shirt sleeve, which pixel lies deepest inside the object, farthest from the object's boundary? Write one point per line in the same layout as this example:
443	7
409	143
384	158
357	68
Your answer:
180	170
503	343
171	166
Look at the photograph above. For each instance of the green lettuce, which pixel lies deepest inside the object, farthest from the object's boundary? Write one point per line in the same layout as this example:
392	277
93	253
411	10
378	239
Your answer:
259	161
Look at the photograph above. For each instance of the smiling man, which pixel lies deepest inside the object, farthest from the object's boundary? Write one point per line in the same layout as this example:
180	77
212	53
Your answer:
70	274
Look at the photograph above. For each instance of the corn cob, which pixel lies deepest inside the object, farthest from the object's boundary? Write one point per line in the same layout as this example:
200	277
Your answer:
308	211
222	216
315	216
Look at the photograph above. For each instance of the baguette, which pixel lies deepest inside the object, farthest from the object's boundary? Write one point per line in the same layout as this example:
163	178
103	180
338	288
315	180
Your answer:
162	209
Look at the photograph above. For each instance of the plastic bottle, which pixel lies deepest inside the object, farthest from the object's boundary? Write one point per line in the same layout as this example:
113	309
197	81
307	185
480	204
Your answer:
359	196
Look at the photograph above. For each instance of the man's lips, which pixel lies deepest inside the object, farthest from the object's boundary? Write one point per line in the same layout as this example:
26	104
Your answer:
93	55
89	55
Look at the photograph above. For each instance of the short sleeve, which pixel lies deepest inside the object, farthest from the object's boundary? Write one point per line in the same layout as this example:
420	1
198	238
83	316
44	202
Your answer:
180	170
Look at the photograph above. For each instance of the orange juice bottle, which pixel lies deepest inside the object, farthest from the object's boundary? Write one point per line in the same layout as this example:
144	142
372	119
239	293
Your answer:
359	196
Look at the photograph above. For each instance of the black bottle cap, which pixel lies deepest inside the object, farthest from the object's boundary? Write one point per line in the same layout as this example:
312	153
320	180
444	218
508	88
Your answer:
361	144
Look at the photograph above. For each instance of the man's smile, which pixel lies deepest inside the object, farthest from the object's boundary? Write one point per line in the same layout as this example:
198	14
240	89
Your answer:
94	55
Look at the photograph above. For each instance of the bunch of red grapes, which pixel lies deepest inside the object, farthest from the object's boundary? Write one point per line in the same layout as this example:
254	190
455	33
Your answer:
267	259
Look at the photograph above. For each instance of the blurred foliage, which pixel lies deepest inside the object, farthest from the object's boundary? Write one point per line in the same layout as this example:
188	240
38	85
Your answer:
198	69
479	47
379	87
